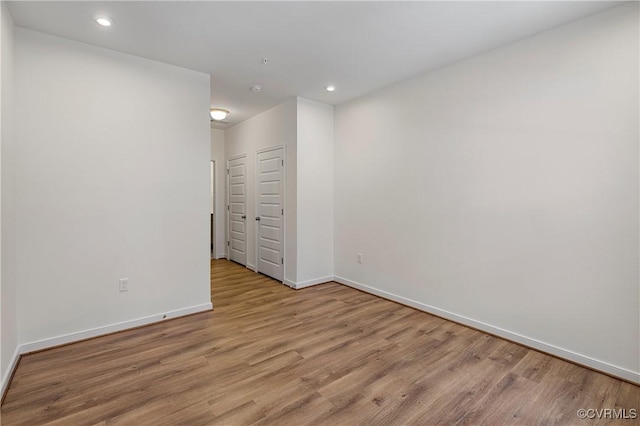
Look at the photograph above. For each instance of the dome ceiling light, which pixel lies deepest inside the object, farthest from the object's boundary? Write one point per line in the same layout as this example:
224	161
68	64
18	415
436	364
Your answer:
218	114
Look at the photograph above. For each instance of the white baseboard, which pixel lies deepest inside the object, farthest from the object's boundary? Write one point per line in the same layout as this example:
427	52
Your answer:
93	332
595	364
6	375
99	331
252	267
309	283
222	255
515	337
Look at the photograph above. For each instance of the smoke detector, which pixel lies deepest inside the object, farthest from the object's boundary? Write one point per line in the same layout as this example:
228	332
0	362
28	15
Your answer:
255	87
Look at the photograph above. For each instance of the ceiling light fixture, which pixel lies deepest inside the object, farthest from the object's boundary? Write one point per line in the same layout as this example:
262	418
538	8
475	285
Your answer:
218	114
104	21
330	88
255	87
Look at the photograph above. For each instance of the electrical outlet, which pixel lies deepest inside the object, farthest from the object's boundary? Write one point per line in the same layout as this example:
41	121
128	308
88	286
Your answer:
359	257
124	284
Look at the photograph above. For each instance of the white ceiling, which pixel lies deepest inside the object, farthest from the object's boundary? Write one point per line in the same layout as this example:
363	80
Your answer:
358	46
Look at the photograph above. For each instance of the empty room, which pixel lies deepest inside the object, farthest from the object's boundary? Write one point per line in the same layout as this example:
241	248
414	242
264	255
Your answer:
320	213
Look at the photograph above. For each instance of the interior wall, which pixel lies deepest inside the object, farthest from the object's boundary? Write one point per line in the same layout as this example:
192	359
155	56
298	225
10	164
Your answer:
218	155
112	172
503	191
8	289
275	127
315	193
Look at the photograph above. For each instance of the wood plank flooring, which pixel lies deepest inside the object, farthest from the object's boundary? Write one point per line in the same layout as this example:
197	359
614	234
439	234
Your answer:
325	355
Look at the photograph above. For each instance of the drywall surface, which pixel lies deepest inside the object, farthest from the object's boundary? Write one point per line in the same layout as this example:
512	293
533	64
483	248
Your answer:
112	172
273	128
315	192
504	189
8	289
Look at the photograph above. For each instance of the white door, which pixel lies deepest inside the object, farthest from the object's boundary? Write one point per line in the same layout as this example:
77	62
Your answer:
238	210
270	213
213	209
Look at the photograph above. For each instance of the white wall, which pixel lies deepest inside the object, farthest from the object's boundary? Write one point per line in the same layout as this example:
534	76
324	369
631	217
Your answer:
217	155
112	167
8	289
275	127
305	129
315	193
502	191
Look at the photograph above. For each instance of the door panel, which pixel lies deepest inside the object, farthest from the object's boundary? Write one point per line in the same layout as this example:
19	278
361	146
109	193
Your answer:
238	210
270	197
213	209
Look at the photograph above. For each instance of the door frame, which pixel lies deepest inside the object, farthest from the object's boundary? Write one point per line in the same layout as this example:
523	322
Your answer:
256	202
228	199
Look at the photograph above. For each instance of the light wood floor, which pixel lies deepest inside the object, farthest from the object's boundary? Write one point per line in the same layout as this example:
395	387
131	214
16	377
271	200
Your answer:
323	355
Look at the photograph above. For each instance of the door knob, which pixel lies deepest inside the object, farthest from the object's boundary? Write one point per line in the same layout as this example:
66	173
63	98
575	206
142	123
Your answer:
258	218
244	216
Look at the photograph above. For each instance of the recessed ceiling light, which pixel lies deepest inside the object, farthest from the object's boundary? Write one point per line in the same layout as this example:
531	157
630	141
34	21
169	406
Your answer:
104	21
330	88
218	114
